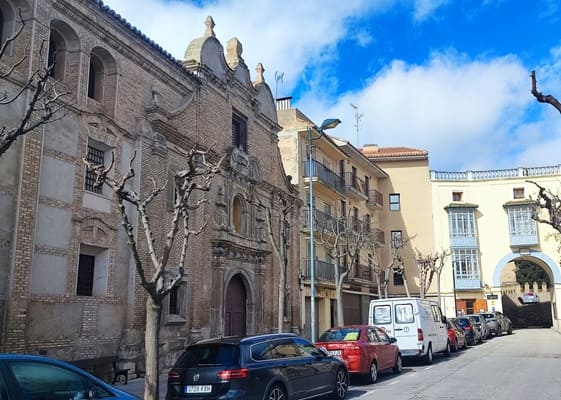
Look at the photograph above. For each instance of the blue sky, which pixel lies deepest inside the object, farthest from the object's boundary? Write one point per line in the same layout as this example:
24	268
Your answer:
447	76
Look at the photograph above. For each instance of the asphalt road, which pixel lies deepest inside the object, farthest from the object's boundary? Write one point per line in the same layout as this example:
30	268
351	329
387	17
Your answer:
521	366
525	365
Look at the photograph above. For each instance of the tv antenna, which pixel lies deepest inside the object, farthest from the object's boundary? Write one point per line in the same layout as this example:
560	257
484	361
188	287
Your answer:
358	117
278	78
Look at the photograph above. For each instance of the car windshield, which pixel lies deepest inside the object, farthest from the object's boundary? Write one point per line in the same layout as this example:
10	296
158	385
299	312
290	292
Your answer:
463	321
488	316
209	354
339	334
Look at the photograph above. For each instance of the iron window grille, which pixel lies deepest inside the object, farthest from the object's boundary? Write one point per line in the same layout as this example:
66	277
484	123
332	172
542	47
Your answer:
97	157
84	285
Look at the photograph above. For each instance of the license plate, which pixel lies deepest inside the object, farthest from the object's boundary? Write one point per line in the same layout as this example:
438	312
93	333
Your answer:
198	388
334	352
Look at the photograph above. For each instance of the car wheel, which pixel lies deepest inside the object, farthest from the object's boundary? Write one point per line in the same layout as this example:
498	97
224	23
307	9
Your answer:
372	373
428	356
448	350
341	385
398	367
509	332
276	393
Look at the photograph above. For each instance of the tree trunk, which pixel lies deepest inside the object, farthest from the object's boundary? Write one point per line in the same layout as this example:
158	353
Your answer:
339	294
406	287
152	345
438	287
282	284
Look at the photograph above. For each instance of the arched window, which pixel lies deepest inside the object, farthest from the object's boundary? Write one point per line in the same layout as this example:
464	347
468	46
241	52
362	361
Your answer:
238	215
95	79
57	55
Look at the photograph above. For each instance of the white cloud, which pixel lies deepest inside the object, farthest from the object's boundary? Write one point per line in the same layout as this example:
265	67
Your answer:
462	111
468	113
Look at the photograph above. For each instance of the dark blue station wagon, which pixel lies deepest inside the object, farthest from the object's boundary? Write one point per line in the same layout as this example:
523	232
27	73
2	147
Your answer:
271	367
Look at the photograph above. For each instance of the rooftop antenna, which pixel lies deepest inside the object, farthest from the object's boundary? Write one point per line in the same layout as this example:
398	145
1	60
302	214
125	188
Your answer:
358	117
278	78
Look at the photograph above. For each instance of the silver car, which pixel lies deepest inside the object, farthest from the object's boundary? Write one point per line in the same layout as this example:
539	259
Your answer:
480	321
492	323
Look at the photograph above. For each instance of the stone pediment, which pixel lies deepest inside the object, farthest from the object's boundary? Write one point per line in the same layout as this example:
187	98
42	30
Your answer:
207	51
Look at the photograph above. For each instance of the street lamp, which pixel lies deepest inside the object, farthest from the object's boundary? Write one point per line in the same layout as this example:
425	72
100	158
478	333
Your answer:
327	124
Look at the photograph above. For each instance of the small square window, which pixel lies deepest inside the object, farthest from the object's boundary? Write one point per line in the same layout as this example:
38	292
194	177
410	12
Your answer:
457	196
518	193
395	202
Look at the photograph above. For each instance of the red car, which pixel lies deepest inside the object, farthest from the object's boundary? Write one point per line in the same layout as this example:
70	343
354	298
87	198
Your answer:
365	349
456	335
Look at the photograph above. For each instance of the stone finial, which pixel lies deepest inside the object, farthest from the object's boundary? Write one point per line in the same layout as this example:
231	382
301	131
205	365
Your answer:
209	23
260	70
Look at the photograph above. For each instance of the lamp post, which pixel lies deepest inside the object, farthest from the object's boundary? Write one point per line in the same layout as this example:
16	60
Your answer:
327	124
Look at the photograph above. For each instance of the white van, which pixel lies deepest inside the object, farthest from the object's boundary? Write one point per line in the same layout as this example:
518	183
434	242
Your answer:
417	324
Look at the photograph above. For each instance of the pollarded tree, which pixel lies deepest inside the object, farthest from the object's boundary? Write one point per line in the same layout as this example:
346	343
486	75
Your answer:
155	276
279	235
344	239
428	265
382	272
38	91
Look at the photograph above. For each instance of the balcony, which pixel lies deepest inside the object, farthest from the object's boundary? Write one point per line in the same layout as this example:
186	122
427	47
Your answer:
375	199
521	240
324	175
363	272
467	283
324	271
355	187
377	236
322	221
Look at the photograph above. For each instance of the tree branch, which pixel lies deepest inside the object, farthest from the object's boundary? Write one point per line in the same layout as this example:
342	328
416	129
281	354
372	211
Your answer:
543	98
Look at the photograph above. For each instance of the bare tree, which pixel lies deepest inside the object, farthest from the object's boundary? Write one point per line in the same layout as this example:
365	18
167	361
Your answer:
155	277
550	203
343	239
39	91
399	269
382	272
428	265
280	240
543	98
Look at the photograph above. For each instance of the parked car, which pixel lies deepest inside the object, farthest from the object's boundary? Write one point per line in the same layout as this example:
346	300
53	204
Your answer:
418	325
473	333
365	349
504	322
530	297
482	324
36	377
264	367
492	323
456	335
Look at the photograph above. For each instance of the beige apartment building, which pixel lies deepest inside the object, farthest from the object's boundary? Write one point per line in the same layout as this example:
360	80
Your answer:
344	184
407	213
485	219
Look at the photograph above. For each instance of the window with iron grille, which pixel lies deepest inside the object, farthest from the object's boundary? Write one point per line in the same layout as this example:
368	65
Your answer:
397	279
397	239
97	157
239	131
174	301
84	285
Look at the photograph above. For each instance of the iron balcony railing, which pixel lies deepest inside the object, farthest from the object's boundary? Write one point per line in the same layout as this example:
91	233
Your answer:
375	199
355	185
323	221
324	175
323	271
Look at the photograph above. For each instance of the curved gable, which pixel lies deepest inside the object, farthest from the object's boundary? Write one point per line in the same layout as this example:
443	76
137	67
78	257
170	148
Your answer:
264	96
207	51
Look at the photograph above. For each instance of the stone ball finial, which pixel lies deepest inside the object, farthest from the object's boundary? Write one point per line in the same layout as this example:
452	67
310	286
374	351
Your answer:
209	23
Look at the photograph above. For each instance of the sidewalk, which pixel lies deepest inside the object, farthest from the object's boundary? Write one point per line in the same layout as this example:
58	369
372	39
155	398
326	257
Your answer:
136	386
